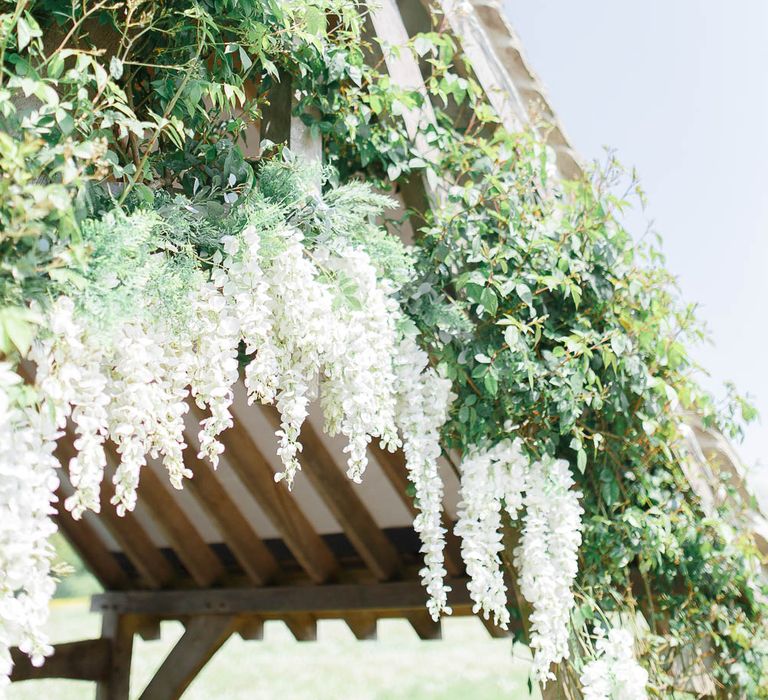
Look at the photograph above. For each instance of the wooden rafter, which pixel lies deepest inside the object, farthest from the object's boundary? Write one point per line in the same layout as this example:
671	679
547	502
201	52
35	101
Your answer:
90	547
238	533
303	626
424	625
393	466
364	625
333	486
198	558
250	465
134	541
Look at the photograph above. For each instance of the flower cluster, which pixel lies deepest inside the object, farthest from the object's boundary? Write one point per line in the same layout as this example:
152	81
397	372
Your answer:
546	557
27	484
491	480
614	673
422	409
314	323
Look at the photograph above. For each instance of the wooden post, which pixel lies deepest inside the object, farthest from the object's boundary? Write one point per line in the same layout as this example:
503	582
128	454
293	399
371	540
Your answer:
119	630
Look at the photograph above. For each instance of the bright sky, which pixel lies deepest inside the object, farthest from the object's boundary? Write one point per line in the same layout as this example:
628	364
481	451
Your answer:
680	89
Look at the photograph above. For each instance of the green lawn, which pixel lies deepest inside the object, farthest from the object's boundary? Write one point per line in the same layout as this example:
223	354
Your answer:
466	665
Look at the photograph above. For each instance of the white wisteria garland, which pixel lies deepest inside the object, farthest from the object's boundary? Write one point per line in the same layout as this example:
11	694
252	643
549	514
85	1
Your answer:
546	558
317	323
28	480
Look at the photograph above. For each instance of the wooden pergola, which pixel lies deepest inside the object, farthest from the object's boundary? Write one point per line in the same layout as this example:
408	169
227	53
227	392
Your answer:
234	549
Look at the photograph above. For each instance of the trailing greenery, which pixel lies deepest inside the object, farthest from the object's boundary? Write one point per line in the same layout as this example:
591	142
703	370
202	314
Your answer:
549	319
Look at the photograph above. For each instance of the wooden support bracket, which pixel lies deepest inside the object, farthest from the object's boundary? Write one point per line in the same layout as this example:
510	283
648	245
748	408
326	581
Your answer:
203	637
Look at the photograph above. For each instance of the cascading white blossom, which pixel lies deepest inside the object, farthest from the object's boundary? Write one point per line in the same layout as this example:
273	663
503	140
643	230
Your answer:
28	481
489	479
215	334
303	328
422	408
150	374
315	323
70	377
357	384
614	673
546	559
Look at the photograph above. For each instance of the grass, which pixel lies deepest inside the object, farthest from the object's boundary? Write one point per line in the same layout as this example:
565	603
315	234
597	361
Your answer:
466	665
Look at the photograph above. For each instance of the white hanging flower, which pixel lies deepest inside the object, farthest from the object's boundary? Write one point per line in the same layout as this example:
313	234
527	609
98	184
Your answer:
149	373
28	480
71	379
422	409
547	559
614	673
215	335
358	380
488	479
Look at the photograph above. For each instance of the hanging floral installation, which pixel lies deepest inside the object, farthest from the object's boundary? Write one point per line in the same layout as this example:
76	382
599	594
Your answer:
146	266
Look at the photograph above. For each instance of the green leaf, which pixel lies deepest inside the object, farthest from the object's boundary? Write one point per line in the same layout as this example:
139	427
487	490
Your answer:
23	33
315	20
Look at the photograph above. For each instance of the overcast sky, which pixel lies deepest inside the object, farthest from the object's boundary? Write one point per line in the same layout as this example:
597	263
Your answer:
680	89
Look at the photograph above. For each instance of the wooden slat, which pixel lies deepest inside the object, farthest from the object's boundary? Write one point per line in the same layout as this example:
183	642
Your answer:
202	638
391	597
303	626
148	560
250	465
393	465
238	534
198	558
89	545
86	660
338	493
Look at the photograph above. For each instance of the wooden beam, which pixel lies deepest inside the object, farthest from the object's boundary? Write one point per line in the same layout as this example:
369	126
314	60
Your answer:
250	465
303	626
118	630
424	625
202	638
198	558
363	625
336	490
477	47
92	550
147	559
393	466
86	660
238	534
418	193
403	68
390	597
